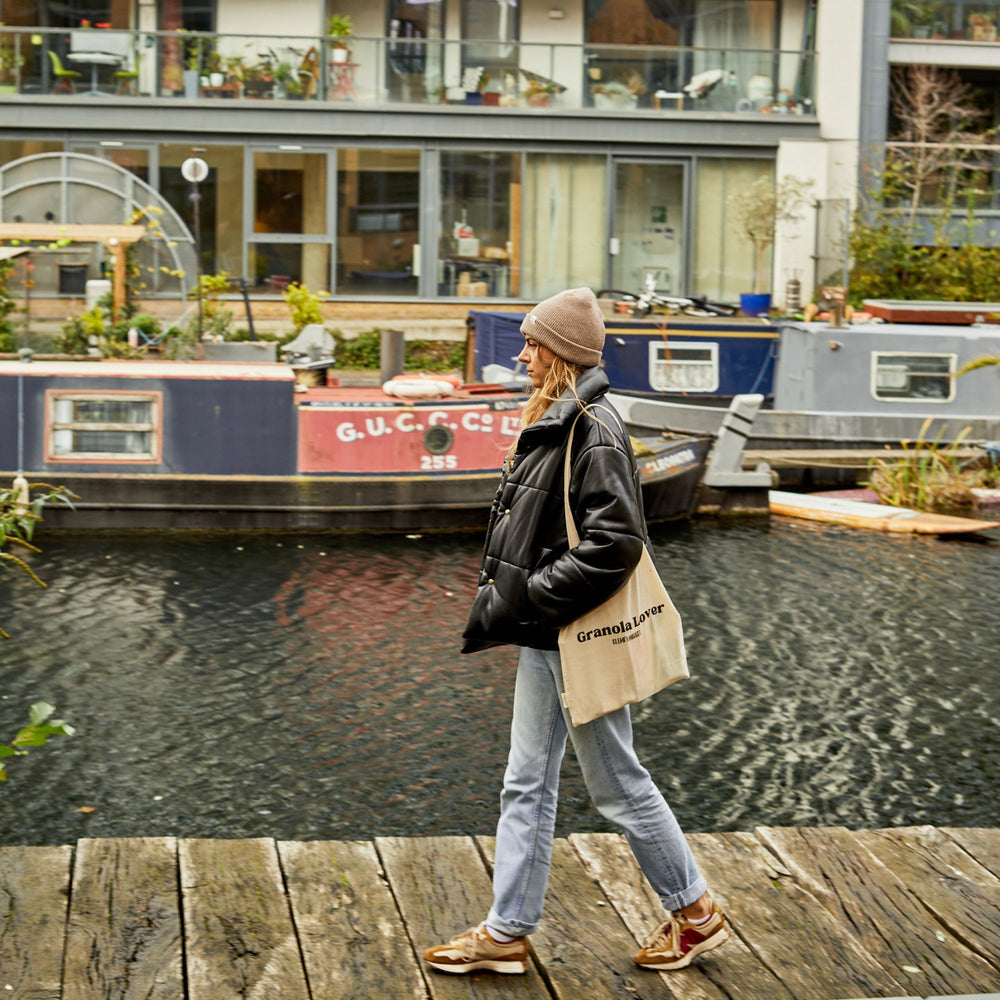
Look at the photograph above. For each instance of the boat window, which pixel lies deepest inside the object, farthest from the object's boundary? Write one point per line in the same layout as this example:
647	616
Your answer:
105	427
900	377
687	367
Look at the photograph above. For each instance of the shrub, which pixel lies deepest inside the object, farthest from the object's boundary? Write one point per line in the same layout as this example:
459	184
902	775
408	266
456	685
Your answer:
305	305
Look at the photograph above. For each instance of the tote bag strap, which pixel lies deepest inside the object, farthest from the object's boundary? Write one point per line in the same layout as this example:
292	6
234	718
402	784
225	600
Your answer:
571	530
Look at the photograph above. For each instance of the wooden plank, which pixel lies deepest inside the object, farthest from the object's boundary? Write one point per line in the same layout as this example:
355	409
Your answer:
730	973
352	936
790	931
34	891
240	942
75	232
958	890
124	933
442	887
983	844
584	948
874	516
886	918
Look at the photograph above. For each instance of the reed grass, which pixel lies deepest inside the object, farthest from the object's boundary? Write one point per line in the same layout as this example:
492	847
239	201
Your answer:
929	476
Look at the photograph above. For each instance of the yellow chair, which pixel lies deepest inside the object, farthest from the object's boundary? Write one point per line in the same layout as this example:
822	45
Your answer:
65	78
128	78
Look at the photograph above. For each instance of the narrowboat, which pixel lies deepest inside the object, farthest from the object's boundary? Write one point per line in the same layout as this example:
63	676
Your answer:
707	360
866	387
153	445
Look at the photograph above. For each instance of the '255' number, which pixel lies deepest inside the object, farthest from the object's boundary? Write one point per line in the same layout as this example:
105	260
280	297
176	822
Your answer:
435	463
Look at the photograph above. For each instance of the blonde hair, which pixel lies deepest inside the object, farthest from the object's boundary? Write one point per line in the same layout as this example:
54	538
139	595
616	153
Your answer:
562	375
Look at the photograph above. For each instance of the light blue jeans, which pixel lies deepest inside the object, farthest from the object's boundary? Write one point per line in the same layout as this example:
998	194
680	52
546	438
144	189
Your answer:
619	785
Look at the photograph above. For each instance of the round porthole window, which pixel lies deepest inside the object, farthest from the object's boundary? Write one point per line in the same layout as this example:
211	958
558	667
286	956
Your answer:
438	439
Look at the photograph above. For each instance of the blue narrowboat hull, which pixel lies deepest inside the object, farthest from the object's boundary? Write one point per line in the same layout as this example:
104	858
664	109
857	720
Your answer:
743	353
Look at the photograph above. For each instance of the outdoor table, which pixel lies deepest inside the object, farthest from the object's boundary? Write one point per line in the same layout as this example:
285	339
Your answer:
95	59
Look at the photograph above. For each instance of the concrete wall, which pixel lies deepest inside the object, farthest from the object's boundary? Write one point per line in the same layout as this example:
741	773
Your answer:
795	241
259	17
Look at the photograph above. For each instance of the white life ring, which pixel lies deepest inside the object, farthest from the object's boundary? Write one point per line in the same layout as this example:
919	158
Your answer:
420	386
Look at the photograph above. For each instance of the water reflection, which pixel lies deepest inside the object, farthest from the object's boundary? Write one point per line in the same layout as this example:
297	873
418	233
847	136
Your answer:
312	687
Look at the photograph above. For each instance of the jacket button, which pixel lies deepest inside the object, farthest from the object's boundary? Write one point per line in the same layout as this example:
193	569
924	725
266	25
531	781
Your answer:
490	581
507	511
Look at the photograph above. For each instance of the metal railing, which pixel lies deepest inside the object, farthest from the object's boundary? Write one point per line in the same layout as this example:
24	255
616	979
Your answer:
403	71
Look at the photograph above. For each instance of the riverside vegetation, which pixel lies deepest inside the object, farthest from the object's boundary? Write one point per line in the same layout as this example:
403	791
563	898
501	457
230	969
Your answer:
932	475
18	516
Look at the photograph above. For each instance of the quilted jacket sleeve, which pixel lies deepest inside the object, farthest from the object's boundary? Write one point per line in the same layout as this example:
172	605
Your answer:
612	533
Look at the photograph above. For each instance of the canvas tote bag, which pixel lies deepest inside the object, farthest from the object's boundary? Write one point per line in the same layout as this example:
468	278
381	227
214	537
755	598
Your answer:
626	649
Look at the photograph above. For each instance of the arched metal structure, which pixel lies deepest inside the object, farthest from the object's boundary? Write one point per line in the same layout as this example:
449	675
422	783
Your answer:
77	189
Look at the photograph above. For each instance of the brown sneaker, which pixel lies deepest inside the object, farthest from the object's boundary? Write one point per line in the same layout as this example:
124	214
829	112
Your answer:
677	942
475	949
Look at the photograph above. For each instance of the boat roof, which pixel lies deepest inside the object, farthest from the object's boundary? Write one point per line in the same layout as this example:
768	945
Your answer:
99	368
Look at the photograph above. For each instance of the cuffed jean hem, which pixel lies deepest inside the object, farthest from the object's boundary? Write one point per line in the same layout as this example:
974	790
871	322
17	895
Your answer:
690	895
515	929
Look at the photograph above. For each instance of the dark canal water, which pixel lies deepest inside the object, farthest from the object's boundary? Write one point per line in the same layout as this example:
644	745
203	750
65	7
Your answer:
309	687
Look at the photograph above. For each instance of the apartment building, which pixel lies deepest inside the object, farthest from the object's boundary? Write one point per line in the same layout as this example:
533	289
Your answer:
452	150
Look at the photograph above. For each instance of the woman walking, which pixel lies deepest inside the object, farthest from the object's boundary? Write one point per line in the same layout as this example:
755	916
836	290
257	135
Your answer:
532	583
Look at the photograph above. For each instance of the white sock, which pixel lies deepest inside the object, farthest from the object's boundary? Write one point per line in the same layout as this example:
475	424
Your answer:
699	921
499	936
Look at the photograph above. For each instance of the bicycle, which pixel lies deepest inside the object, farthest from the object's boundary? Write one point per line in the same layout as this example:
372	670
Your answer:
649	299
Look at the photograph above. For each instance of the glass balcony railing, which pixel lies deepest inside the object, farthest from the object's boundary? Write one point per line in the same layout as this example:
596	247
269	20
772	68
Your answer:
394	71
945	20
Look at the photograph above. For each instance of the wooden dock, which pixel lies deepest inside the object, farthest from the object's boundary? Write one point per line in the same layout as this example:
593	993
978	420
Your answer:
818	914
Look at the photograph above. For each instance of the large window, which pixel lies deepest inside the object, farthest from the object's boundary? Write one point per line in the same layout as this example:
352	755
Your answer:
564	222
67	13
415	54
717	34
723	258
488	29
289	206
479	252
378	217
221	201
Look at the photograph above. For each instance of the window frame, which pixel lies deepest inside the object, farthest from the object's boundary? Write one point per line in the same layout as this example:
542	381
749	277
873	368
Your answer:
879	359
154	427
658	346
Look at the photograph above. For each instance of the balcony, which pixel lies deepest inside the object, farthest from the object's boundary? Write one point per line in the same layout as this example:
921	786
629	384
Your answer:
944	20
469	76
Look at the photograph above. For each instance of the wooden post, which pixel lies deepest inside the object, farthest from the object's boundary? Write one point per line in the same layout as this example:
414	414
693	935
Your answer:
514	263
118	287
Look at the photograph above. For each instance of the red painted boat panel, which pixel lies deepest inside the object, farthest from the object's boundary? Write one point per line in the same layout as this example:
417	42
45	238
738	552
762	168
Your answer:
366	431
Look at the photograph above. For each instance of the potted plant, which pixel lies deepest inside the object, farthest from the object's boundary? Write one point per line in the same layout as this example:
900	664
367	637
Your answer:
192	68
10	64
911	19
340	27
258	80
538	94
212	64
756	212
283	76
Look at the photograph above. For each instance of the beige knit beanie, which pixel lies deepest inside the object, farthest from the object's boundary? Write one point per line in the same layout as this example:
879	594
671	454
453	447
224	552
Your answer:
570	325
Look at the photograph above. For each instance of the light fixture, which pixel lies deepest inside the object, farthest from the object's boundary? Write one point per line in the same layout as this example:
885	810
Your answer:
290	148
556	13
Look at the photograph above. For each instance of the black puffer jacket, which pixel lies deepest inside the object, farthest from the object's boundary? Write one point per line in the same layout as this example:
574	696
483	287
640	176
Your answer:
531	583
